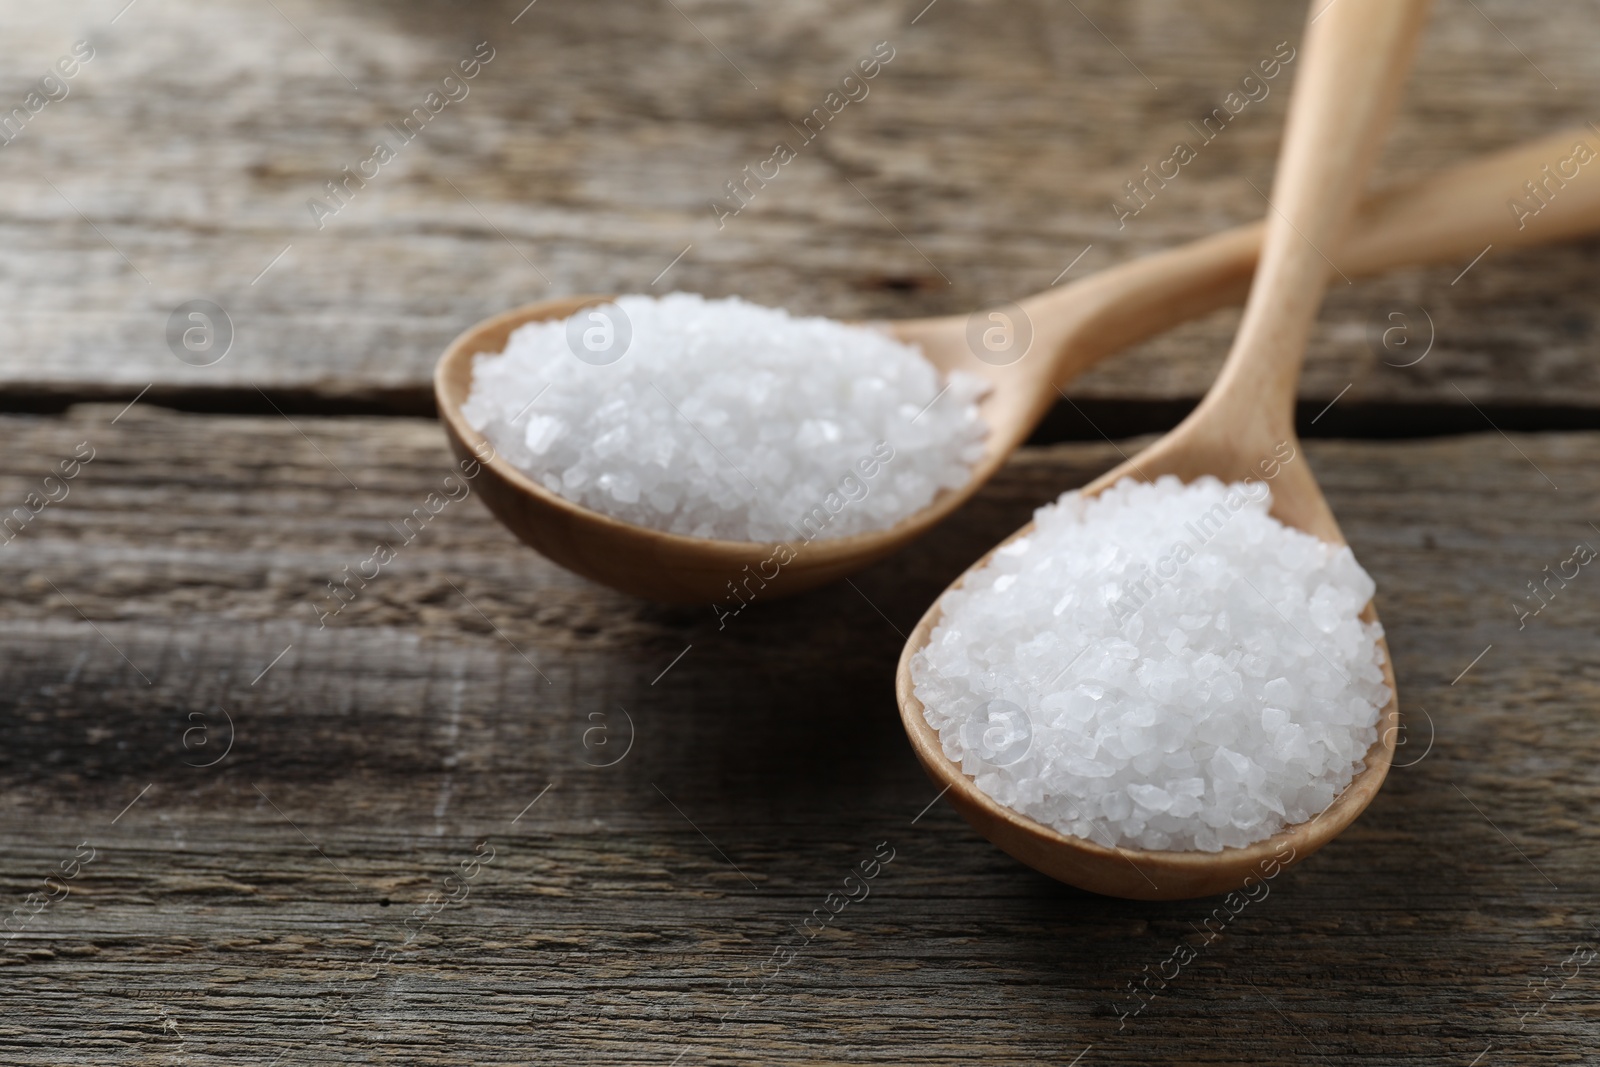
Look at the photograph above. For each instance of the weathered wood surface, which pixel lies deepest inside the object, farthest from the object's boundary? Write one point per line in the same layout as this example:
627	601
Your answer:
983	160
170	603
229	907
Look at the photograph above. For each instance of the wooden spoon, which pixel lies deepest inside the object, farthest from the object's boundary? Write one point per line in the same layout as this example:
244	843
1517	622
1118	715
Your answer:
1452	215
1356	53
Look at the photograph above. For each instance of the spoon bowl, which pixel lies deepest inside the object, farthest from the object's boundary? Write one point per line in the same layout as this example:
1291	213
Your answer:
1150	874
1055	336
650	563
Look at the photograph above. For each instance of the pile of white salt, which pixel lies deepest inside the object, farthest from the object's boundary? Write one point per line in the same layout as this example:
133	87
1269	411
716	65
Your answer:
1162	666
723	419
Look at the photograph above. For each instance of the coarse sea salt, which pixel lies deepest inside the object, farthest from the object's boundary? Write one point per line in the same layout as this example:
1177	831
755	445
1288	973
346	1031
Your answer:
723	419
1162	666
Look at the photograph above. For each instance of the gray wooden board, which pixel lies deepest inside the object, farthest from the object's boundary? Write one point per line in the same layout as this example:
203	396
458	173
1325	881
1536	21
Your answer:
583	159
228	907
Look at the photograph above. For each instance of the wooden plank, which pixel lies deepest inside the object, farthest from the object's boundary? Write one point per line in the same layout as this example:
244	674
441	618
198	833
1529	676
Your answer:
584	157
229	908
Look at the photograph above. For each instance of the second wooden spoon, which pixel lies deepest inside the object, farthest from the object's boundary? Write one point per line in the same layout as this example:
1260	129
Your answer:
1356	54
1450	216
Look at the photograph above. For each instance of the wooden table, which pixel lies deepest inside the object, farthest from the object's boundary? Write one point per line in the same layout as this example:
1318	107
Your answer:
248	818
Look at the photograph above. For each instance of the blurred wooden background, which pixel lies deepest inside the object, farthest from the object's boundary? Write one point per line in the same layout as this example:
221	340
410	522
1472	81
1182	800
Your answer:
269	804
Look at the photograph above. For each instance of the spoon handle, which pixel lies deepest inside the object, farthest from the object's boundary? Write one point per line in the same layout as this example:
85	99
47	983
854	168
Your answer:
1356	56
1538	192
1453	215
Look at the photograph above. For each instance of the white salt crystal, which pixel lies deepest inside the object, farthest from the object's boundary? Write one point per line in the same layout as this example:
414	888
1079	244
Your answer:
543	431
1194	711
719	418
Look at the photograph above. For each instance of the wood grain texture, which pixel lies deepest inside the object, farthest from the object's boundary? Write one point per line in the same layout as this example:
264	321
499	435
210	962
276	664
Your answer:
984	159
229	908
